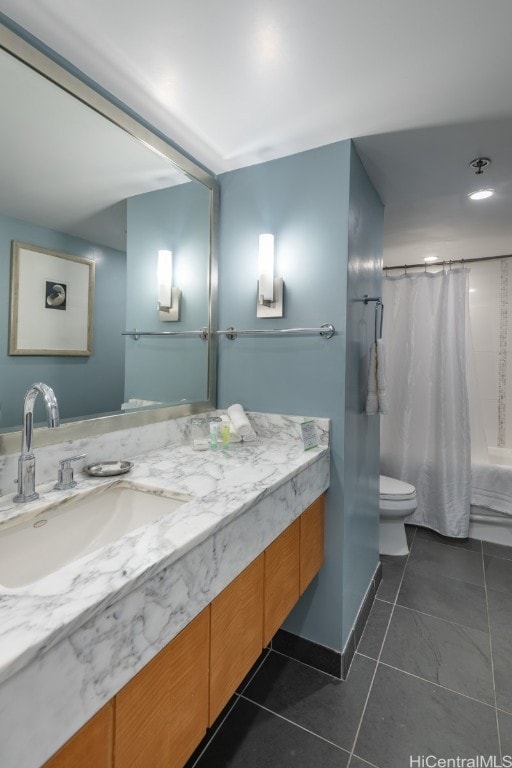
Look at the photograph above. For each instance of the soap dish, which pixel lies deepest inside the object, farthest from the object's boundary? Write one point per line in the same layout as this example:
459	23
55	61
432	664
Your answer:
108	468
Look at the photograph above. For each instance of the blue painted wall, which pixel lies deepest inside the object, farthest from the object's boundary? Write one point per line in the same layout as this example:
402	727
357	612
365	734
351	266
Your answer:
304	200
83	385
361	467
168	370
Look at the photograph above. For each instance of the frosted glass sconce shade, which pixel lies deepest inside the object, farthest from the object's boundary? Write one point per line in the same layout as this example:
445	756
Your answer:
168	297
270	289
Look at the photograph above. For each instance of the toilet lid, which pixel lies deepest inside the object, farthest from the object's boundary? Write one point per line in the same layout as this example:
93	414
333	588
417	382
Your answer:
390	488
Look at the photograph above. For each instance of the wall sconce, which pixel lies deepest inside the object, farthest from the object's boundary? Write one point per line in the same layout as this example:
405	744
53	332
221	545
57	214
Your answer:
168	297
270	288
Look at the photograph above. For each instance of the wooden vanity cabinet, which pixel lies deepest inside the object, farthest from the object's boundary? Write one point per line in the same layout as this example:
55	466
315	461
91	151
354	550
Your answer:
282	565
236	637
162	714
311	542
92	745
291	562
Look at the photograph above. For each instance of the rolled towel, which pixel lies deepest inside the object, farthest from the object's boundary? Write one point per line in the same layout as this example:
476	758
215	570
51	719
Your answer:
372	401
241	423
382	384
233	434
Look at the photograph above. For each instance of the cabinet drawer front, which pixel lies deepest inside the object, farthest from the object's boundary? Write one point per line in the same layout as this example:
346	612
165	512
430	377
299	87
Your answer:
236	634
311	542
92	745
282	559
162	714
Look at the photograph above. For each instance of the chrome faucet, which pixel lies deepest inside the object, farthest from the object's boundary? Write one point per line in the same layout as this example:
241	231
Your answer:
27	461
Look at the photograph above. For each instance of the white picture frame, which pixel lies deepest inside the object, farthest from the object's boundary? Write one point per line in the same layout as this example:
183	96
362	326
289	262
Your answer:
52	297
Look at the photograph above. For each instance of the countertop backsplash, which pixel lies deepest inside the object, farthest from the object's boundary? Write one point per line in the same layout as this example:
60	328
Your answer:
139	440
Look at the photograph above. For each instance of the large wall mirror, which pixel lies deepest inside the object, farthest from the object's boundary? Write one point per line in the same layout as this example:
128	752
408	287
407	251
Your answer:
83	179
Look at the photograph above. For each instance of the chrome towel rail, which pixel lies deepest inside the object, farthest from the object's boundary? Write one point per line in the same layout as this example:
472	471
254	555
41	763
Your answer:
378	304
327	331
136	334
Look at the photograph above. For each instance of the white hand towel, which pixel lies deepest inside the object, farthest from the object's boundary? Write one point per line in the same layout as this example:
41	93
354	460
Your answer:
382	384
372	400
233	434
241	423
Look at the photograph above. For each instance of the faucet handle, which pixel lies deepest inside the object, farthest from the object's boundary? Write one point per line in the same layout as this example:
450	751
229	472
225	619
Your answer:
65	474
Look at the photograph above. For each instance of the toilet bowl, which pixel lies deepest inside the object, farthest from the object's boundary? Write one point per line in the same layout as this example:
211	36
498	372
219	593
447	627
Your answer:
397	500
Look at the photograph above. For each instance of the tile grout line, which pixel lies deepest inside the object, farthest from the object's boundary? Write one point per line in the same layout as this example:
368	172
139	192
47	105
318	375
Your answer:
492	658
304	664
251	678
365	762
291	722
217	729
380	652
427	572
452	546
437	685
498	557
236	698
440	618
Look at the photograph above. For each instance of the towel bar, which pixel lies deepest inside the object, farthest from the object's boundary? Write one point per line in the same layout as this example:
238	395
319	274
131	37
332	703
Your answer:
327	331
378	303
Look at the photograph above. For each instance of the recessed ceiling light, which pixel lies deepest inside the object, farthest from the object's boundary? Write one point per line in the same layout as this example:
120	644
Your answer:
472	290
430	259
481	194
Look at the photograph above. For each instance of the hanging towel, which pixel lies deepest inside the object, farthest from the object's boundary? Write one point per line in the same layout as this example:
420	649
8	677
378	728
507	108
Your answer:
377	396
382	384
241	423
372	400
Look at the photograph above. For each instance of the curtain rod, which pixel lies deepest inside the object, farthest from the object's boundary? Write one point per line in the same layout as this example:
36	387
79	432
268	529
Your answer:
426	265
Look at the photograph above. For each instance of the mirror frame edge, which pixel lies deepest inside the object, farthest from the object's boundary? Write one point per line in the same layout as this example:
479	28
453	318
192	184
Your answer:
29	55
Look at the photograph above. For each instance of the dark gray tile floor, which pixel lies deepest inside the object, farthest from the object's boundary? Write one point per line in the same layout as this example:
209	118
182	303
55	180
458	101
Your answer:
432	675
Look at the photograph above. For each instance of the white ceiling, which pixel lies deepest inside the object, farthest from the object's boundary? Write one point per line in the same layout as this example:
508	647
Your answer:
424	179
237	83
64	166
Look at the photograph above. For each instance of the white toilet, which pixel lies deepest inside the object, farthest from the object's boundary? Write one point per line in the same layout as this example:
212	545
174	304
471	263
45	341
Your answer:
397	500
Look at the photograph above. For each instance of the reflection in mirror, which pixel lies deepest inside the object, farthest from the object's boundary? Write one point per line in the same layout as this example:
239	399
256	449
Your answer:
75	182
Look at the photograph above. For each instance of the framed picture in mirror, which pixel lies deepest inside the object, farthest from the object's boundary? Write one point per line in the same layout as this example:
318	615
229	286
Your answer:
52	297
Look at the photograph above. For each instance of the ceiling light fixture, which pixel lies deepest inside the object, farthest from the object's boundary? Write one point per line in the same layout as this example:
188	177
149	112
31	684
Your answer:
479	163
481	194
431	259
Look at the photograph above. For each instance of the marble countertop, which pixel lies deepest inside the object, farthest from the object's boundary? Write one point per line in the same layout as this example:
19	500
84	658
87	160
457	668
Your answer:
223	485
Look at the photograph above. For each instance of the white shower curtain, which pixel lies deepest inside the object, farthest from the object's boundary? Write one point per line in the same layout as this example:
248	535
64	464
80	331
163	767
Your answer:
425	438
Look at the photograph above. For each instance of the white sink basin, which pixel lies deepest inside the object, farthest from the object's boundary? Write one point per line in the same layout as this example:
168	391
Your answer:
42	545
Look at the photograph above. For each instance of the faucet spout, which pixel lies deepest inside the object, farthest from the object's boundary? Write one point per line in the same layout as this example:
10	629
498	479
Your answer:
27	461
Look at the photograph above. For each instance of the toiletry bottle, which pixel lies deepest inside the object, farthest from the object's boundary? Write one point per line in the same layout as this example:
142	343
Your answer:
225	436
213	435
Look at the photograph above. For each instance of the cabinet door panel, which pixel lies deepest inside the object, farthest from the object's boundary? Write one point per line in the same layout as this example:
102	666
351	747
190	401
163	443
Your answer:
92	745
236	634
162	714
282	559
311	542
